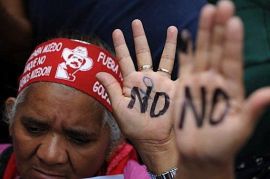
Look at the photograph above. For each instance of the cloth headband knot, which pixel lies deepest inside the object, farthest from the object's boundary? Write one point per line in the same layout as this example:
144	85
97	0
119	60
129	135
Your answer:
73	63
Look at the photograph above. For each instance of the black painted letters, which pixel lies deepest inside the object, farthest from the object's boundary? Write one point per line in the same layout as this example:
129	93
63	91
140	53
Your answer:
136	93
201	115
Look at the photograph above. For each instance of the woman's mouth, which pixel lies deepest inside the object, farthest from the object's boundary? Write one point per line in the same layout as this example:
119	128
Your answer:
44	174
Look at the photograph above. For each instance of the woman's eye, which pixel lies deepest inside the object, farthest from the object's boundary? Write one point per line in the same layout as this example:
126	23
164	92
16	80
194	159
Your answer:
79	141
35	130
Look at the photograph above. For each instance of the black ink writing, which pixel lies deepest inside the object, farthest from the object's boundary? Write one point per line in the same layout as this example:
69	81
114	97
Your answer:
148	82
189	102
166	105
143	100
219	93
199	117
144	97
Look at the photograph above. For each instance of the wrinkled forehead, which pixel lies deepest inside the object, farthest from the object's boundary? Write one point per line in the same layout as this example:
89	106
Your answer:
56	101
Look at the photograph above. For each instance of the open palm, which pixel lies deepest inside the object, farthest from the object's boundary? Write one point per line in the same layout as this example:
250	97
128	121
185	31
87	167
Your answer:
143	106
212	118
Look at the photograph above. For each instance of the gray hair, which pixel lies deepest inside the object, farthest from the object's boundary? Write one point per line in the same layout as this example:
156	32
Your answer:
108	118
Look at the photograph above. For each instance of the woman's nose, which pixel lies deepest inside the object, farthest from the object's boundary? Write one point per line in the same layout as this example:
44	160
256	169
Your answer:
52	150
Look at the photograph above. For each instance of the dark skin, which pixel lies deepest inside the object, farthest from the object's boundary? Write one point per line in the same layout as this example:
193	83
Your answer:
142	107
65	138
212	118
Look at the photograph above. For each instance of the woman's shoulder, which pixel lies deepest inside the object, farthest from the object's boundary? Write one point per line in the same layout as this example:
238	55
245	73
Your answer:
3	147
6	151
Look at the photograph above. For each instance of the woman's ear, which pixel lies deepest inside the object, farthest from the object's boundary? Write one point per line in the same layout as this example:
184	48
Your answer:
9	104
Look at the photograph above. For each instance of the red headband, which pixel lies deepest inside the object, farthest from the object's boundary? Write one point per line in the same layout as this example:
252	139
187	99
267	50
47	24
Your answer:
73	63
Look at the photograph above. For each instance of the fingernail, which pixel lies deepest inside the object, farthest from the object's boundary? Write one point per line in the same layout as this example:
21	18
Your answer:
183	41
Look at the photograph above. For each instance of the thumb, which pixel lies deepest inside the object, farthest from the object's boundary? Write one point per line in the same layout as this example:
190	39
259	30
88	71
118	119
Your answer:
256	104
111	85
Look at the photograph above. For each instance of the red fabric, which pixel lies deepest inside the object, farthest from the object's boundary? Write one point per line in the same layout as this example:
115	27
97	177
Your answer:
116	165
72	63
10	172
120	158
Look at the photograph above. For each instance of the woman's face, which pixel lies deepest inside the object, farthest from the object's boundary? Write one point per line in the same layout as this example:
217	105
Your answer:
58	133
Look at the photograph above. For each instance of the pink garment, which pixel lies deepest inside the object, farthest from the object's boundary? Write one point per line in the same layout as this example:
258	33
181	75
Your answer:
3	147
133	170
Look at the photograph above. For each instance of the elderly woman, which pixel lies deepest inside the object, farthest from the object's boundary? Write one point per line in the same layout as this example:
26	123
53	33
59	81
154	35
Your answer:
61	122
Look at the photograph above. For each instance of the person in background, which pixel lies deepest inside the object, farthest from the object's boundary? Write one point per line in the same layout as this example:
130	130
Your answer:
213	120
253	159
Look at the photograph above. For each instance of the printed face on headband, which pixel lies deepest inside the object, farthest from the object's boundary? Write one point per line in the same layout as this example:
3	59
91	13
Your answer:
59	133
75	61
72	63
77	58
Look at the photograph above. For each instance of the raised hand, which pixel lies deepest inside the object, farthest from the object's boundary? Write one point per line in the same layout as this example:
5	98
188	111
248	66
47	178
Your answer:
212	118
143	106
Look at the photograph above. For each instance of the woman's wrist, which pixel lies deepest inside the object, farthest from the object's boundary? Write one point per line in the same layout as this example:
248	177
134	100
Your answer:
159	158
206	169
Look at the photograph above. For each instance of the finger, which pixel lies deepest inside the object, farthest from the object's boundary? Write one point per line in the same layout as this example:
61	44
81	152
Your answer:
143	53
185	53
112	87
232	65
225	10
122	53
168	54
256	104
203	38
